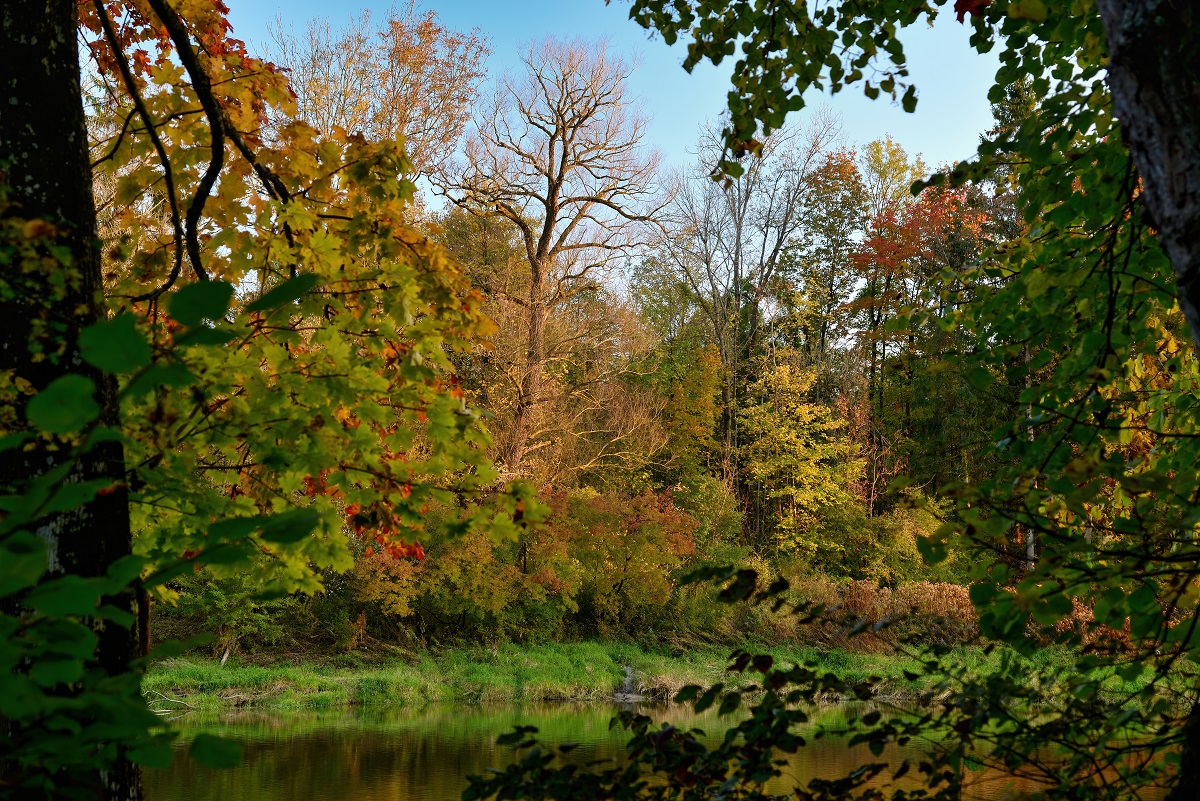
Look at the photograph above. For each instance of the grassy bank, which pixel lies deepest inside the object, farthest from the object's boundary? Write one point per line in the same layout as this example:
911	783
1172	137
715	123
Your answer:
563	671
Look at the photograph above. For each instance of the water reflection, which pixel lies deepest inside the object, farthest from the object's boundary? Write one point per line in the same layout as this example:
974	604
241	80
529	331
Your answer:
402	754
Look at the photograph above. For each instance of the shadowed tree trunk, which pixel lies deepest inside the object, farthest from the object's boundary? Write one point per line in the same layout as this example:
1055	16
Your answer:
47	176
1154	75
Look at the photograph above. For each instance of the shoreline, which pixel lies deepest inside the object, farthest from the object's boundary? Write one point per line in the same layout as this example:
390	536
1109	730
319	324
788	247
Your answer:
583	671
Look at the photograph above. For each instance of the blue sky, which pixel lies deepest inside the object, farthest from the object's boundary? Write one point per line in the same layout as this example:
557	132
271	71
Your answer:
951	78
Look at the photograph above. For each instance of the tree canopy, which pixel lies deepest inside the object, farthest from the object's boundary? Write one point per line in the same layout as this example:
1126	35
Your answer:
243	366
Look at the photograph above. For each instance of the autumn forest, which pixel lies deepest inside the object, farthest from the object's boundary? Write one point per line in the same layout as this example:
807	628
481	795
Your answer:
347	371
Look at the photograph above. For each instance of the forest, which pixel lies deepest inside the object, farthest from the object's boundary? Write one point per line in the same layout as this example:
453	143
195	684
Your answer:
352	354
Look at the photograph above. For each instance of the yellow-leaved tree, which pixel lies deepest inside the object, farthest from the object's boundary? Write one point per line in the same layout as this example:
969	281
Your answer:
798	455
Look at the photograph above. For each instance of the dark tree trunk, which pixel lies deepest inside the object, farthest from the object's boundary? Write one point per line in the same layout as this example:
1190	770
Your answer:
43	139
1154	75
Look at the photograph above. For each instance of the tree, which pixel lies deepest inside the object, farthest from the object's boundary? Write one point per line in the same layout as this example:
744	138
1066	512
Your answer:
50	291
798	455
304	280
556	151
1153	75
408	78
730	244
835	210
888	175
1102	465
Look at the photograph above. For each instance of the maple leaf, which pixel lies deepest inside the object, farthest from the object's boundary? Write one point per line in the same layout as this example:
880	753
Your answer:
973	7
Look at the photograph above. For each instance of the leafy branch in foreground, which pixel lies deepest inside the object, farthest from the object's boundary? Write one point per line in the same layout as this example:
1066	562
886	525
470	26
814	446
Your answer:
241	421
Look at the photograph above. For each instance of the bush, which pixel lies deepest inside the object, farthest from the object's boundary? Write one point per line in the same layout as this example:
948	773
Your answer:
920	611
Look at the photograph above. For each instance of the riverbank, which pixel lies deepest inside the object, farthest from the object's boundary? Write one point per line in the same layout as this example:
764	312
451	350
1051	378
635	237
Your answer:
506	673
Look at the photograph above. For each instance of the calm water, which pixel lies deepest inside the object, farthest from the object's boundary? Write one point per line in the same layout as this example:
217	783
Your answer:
404	754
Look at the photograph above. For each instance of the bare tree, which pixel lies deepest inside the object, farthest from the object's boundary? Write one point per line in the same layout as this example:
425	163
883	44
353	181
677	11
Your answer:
408	77
557	152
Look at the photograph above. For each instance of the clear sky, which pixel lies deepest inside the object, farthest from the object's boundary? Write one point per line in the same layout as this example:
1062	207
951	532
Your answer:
951	78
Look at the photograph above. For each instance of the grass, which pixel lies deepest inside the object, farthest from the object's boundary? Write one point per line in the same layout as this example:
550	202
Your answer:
510	673
580	671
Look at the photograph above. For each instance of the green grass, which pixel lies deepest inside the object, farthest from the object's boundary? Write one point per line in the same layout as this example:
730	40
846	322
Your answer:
514	673
508	673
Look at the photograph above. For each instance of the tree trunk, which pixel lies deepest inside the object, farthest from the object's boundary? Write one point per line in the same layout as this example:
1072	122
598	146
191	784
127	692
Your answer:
48	177
1154	75
530	391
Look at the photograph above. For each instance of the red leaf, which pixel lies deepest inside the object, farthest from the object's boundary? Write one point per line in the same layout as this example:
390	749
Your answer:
973	7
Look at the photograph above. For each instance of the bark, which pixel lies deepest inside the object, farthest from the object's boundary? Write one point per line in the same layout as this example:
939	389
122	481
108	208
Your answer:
43	138
1154	75
1187	786
529	394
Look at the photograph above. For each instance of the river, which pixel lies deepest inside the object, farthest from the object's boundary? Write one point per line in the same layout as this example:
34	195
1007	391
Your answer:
406	754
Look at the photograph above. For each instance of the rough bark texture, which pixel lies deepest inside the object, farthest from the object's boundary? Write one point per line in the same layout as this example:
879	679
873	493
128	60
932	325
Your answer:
47	176
1154	75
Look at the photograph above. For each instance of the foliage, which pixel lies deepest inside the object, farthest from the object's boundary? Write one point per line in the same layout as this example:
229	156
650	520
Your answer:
1094	477
794	452
294	385
408	78
627	549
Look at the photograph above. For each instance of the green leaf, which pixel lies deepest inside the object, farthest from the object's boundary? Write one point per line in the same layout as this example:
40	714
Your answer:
708	698
19	696
290	526
160	375
1028	9
235	528
115	614
216	752
63	636
290	290
979	377
125	570
51	671
730	703
69	595
229	553
64	407
152	756
12	441
932	550
207	336
115	346
203	300
22	562
73	496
